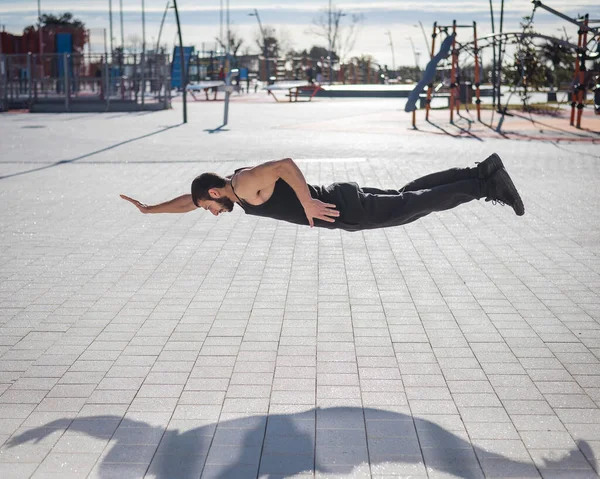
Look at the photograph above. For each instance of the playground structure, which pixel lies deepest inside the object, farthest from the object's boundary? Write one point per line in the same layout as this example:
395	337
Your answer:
454	101
587	48
75	82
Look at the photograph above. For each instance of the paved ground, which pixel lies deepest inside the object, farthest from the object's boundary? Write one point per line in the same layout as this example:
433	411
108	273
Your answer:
466	344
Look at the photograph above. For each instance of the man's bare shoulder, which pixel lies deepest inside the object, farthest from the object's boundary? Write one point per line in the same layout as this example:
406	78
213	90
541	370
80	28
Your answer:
254	182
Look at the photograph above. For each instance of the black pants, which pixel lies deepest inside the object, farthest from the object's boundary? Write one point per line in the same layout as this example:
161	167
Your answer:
368	208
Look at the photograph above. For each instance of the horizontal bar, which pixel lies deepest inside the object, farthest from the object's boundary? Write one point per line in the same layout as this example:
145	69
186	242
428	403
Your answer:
537	3
457	26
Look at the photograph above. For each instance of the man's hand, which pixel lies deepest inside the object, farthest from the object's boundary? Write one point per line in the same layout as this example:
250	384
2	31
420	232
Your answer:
319	210
140	206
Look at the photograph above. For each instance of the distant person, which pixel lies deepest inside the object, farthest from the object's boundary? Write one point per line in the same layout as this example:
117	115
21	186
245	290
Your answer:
319	72
310	74
278	190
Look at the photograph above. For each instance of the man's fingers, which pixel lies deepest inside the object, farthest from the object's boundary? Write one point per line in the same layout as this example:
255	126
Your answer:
131	200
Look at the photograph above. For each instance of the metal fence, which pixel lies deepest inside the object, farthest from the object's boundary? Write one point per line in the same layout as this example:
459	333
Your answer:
28	79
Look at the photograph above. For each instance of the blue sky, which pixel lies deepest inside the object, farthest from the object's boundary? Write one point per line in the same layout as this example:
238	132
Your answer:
293	18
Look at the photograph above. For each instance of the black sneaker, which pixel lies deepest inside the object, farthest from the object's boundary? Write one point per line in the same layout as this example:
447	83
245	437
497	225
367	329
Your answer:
489	166
501	189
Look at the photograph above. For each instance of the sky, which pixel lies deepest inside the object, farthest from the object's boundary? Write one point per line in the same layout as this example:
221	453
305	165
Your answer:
293	19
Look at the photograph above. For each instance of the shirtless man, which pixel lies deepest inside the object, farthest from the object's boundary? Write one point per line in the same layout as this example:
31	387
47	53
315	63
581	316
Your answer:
277	189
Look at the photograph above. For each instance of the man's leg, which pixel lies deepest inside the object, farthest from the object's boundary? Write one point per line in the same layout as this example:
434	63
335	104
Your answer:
440	178
392	210
483	170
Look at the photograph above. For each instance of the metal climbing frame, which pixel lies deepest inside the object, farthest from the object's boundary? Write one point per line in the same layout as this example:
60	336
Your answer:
454	86
579	83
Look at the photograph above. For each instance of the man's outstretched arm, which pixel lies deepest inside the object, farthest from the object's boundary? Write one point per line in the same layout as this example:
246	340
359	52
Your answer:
181	204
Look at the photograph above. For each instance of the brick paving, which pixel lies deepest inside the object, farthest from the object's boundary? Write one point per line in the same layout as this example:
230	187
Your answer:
466	344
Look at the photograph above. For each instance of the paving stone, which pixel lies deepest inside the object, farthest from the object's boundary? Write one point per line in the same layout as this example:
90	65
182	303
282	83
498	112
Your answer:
469	330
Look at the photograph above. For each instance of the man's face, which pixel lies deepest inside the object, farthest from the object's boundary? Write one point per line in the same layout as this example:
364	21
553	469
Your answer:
217	205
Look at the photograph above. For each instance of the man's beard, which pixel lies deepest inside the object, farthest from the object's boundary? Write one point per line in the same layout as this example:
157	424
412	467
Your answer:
226	203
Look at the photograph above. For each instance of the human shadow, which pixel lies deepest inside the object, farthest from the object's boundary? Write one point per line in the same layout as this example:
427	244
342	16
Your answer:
87	155
327	440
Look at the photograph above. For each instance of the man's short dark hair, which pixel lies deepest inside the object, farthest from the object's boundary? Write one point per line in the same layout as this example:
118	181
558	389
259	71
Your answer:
203	183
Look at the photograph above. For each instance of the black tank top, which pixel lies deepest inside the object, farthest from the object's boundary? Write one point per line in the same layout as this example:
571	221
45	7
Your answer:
284	204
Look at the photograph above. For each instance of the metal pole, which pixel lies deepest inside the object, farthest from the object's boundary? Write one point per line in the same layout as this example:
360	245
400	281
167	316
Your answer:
265	52
122	31
581	93
453	73
228	31
493	58
499	74
330	43
576	77
430	86
105	46
426	41
106	84
66	85
221	23
40	24
162	22
476	52
389	34
414	52
29	78
143	58
182	60
143	27
110	22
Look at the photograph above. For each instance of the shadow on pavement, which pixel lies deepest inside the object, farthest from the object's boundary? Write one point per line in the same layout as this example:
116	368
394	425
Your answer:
87	155
218	129
329	441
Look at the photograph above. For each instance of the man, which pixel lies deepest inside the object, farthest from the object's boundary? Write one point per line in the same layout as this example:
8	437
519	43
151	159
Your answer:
277	189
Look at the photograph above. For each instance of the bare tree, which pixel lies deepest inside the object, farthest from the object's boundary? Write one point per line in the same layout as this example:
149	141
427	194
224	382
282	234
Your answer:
134	43
235	43
339	36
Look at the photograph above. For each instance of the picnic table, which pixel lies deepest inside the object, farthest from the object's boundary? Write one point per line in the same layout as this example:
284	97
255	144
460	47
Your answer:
295	90
209	86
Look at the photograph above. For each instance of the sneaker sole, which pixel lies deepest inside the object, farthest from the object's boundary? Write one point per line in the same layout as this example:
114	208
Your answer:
518	206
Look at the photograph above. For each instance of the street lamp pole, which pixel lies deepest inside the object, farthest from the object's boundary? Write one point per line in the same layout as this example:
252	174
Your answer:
264	42
415	53
122	31
389	34
110	22
162	22
228	31
143	28
221	23
426	41
40	24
